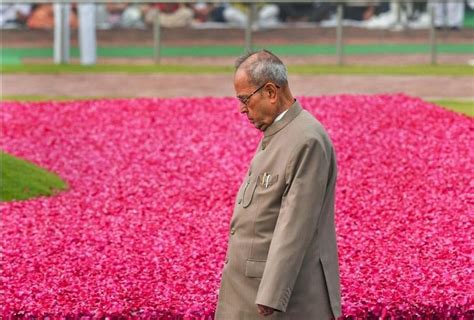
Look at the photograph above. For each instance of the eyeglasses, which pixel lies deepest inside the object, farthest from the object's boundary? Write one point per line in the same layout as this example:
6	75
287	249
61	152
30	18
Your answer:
245	100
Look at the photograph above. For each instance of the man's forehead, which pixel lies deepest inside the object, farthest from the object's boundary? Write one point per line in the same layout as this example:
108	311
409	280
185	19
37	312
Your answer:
241	78
240	73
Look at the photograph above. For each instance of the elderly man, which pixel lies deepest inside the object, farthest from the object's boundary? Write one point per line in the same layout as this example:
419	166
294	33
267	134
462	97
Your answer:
282	259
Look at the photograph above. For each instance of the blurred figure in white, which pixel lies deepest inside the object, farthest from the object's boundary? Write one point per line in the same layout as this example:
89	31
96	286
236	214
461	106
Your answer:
14	15
119	15
172	15
401	15
234	14
267	15
132	17
87	33
448	14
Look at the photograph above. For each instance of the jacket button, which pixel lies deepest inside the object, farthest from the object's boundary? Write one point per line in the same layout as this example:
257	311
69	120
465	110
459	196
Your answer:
250	173
232	231
263	146
240	201
226	260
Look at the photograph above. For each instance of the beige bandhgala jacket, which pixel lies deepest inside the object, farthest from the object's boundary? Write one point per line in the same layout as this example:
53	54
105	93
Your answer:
282	249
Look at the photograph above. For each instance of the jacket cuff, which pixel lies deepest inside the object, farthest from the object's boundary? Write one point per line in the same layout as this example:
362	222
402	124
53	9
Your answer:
279	305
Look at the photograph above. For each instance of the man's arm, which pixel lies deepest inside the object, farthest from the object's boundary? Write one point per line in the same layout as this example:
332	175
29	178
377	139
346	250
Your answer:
306	176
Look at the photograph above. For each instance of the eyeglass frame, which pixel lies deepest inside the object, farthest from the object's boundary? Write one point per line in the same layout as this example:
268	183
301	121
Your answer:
245	100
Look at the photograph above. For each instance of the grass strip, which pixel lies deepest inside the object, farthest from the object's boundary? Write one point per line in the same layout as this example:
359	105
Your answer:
21	180
46	98
112	68
308	69
462	106
412	70
235	50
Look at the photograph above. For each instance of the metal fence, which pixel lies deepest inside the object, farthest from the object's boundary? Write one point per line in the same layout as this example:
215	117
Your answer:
87	37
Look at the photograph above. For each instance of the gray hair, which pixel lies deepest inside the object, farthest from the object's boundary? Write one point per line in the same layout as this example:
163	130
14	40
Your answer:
266	67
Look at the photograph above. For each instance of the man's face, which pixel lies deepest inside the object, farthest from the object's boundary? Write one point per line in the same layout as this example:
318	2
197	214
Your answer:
254	102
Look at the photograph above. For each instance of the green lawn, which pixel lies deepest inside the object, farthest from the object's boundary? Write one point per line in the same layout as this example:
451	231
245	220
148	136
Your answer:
17	55
413	70
461	106
42	98
21	180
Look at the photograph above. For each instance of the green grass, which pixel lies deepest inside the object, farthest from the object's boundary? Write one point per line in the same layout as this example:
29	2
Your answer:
413	70
469	18
112	68
21	180
16	55
42	98
461	106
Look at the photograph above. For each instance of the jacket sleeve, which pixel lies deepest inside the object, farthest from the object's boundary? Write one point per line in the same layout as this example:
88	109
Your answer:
306	179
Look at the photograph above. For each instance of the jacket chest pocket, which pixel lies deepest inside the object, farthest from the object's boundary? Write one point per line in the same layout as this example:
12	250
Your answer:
247	194
263	181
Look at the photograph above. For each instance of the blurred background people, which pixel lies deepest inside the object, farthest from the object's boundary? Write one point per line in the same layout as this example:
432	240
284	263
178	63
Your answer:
362	11
14	15
397	15
305	12
172	15
119	15
448	14
236	14
377	14
42	17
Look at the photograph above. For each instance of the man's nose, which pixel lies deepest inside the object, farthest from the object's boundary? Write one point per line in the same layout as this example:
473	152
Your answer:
243	108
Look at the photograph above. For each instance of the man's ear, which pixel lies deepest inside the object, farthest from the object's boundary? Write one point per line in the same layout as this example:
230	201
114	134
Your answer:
271	90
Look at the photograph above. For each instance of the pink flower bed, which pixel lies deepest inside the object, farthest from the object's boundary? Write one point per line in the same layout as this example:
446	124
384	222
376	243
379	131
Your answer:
143	229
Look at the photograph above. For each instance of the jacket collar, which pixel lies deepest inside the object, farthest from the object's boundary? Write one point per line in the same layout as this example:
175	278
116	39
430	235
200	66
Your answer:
292	113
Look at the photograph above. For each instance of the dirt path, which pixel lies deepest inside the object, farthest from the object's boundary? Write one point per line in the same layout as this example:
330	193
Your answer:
159	85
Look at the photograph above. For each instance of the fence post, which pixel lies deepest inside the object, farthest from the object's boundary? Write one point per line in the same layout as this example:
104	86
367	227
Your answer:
61	33
87	33
248	30
339	45
156	37
432	36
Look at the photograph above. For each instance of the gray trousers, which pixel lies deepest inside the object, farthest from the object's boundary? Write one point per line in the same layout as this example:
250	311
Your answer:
448	13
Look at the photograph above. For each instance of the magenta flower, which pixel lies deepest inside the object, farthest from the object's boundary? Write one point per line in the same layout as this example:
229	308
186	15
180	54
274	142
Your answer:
142	231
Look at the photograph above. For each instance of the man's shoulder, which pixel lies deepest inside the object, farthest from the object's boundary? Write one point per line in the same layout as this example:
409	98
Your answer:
306	127
307	132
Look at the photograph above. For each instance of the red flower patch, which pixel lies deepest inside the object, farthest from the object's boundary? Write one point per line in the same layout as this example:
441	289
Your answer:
143	229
